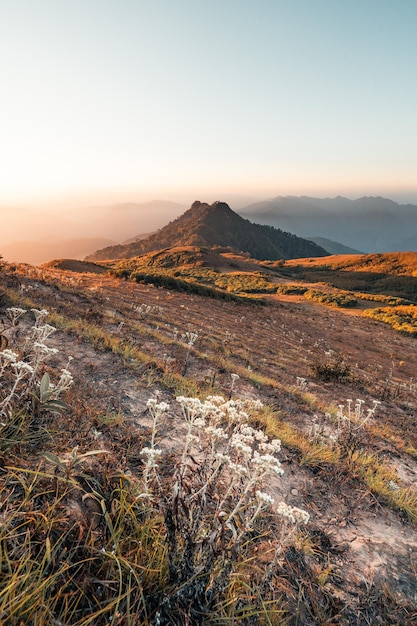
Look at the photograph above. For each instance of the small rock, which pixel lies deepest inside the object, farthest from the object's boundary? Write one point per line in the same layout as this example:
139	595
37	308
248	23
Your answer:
294	492
339	548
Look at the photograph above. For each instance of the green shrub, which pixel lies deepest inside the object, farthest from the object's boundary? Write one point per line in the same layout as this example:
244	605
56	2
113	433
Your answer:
245	283
291	289
402	318
337	299
391	300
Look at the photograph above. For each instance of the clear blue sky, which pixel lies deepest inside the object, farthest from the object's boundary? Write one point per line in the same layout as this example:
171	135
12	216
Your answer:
168	97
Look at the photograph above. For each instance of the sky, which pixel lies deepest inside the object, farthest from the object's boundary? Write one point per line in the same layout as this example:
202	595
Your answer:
115	100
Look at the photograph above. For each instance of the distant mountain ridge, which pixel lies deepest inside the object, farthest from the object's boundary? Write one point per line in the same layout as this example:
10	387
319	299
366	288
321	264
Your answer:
370	224
333	247
217	225
37	252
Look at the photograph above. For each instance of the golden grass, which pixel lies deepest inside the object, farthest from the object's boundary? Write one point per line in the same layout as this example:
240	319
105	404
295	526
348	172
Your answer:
402	318
383	481
127	551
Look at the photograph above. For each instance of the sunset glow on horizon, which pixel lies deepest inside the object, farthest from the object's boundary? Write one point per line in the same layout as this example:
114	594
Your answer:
108	101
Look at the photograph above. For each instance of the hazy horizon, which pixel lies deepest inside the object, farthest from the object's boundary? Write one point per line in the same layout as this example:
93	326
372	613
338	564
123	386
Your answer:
45	220
286	97
35	236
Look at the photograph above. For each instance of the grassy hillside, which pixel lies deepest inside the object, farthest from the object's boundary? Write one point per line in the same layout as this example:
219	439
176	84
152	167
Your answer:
392	274
138	484
198	270
396	263
223	274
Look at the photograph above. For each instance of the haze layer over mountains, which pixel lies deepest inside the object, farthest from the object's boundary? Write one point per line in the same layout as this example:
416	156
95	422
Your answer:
369	224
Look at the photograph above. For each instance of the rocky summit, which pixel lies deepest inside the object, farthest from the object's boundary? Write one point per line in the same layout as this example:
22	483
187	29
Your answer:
217	225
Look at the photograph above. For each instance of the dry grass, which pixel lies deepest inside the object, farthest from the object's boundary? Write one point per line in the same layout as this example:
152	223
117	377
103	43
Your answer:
93	551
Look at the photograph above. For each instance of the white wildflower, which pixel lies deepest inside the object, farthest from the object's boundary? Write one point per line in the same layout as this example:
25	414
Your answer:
41	347
191	338
265	498
40	313
215	399
9	355
292	513
43	332
15	312
21	366
151	452
256	405
223	458
215	433
156	408
302	383
64	383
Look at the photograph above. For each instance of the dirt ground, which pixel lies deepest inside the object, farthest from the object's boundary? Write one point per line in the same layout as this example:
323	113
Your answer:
369	543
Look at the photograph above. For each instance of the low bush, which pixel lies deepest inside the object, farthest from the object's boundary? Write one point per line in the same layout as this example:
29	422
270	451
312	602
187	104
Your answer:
292	289
331	369
337	299
402	318
245	283
391	300
182	281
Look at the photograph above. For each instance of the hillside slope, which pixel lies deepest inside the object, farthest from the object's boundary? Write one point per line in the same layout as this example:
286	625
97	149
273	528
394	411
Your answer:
217	225
75	511
395	263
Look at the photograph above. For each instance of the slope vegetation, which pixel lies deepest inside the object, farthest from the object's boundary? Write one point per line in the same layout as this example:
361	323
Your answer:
105	519
392	273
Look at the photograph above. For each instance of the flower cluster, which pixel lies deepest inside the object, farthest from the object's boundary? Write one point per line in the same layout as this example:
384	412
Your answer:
292	513
20	370
354	417
233	460
6	358
13	313
214	496
190	338
302	383
350	428
143	310
234	377
151	453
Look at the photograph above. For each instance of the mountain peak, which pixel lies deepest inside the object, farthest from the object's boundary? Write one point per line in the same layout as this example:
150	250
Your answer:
217	224
216	206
